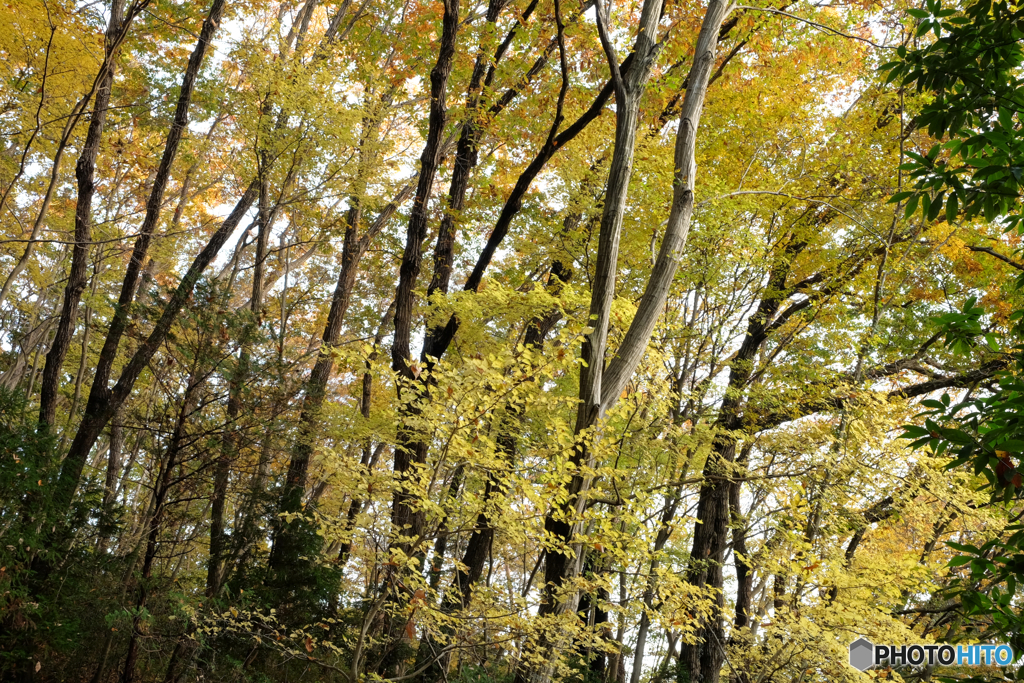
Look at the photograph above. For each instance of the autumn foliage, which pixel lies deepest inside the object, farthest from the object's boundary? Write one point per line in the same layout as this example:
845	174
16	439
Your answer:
517	340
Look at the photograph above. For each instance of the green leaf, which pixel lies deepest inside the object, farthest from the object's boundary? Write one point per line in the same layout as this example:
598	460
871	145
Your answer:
936	207
951	207
911	206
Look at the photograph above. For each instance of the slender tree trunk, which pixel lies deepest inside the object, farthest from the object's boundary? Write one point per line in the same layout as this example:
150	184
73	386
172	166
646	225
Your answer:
85	172
407	523
561	566
600	388
410	448
664	531
679	414
29	344
465	162
111	41
286	540
702	660
103	403
596	620
370	454
741	560
229	451
163	486
83	362
58	157
443	532
154	204
113	468
316	385
471	567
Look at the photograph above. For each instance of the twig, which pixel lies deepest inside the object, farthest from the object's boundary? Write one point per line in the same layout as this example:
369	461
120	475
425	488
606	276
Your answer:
817	25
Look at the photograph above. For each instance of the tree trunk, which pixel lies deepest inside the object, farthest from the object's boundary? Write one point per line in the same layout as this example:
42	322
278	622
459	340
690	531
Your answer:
58	157
478	547
664	531
741	560
222	470
599	390
110	481
370	454
559	522
163	485
154	204
465	162
85	172
287	541
702	660
103	403
406	523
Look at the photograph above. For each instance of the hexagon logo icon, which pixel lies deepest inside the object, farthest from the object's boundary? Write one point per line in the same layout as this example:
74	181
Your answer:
862	654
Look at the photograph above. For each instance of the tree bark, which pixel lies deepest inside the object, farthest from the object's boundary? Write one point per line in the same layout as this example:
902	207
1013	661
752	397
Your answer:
561	566
465	162
741	560
600	390
370	454
703	659
85	172
634	344
112	40
163	486
229	451
154	204
664	531
353	250
110	481
103	402
478	547
410	448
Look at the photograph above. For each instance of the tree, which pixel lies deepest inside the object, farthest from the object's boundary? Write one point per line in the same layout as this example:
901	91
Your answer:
408	347
972	71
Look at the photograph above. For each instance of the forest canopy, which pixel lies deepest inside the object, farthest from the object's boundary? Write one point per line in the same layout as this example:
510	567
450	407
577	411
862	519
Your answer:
513	341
